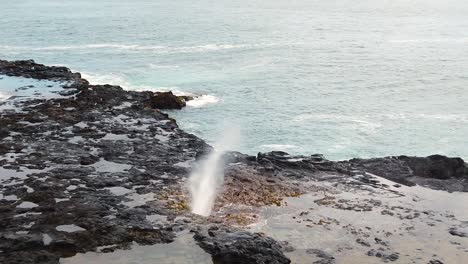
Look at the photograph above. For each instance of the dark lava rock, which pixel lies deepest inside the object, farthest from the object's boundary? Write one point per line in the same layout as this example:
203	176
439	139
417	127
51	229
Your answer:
383	255
80	146
436	171
456	232
437	167
166	100
325	258
228	246
30	69
363	242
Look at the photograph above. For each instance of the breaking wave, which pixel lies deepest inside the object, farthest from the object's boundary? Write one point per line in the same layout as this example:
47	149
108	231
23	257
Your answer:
3	96
280	147
203	100
112	79
199	100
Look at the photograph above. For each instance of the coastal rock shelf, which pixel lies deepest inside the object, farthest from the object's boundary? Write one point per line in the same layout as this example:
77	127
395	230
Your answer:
88	171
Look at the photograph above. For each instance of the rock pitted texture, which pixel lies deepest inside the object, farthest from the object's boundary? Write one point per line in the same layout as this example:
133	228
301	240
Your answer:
94	158
240	247
30	69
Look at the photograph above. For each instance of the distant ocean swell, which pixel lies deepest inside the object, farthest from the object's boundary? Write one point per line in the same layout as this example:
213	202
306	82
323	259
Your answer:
143	48
369	120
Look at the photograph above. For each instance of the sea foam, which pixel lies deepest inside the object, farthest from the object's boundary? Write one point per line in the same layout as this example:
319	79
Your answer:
203	100
116	79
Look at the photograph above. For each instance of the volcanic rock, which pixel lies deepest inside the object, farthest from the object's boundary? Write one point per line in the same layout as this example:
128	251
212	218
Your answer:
166	100
228	246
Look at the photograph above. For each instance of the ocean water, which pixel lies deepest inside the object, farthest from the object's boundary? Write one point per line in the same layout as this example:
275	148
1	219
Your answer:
344	78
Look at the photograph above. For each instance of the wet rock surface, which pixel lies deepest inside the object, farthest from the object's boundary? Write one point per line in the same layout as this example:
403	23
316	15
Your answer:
228	246
167	100
97	167
91	159
436	171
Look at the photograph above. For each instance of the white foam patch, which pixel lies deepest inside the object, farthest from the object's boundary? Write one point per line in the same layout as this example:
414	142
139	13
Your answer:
3	96
281	147
69	228
113	79
203	100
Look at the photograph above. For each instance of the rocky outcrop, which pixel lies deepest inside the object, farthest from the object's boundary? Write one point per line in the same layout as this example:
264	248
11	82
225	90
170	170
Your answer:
85	169
31	69
436	171
228	246
437	167
166	100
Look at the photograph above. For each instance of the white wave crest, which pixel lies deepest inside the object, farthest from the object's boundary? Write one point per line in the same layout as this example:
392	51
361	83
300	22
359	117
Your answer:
156	66
440	40
158	49
203	100
281	147
82	47
130	47
115	79
112	79
3	96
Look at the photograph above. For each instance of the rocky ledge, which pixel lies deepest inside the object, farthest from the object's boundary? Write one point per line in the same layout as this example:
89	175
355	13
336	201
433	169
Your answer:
436	171
98	168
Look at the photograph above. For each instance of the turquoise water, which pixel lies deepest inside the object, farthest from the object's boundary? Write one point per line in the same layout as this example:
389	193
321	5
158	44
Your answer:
344	78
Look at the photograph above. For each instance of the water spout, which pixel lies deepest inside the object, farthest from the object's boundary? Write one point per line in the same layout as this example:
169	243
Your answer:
208	175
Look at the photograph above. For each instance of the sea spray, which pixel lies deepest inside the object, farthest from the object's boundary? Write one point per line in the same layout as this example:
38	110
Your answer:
208	175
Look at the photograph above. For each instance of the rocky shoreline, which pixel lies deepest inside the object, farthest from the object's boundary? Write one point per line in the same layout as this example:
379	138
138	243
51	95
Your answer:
98	168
